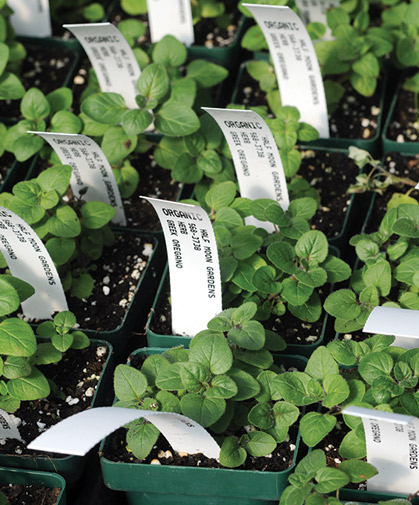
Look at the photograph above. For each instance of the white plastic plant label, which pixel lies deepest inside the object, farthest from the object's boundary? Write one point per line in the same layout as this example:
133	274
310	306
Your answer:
112	58
92	425
314	11
28	259
256	158
91	170
8	428
171	17
392	447
296	66
195	280
31	18
402	323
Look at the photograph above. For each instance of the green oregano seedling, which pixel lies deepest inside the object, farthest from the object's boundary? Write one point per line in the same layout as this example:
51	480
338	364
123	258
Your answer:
74	232
388	275
20	352
312	480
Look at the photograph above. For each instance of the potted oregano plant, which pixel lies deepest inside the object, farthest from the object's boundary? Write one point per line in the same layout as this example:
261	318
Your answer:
76	234
236	393
34	388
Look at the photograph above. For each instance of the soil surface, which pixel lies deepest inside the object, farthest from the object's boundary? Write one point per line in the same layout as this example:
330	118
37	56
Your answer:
76	377
404	125
355	116
7	161
330	174
30	495
155	182
116	279
46	60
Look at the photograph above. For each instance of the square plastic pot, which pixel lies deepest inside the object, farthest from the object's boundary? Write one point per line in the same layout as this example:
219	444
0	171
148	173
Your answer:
393	145
177	485
32	477
69	467
372	145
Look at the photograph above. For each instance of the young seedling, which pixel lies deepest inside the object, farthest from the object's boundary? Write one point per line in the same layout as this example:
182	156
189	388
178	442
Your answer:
388	275
20	352
41	113
378	179
74	232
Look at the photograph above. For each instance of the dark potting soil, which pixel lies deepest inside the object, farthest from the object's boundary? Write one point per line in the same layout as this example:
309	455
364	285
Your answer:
155	182
207	33
330	174
355	116
163	454
116	280
402	166
50	60
18	494
330	446
7	161
76	377
404	125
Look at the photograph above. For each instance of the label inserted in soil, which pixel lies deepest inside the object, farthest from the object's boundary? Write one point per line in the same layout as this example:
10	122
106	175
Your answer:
296	66
171	17
28	259
314	11
402	323
31	19
256	158
195	280
112	58
392	447
92	425
91	170
8	429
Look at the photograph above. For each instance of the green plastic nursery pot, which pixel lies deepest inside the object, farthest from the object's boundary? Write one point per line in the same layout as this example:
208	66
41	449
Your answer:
372	145
393	145
226	56
32	477
176	485
369	496
69	467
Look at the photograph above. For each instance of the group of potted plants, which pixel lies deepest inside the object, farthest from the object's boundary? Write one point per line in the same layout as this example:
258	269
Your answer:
271	374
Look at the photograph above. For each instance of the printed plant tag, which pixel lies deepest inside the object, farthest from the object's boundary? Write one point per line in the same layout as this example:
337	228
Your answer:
195	281
256	158
28	259
91	170
8	428
31	18
296	66
171	17
314	11
92	425
402	323
392	447
112	58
